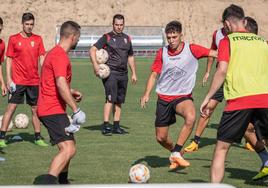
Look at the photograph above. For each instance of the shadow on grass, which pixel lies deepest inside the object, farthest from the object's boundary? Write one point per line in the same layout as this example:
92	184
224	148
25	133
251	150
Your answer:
98	127
198	181
244	174
212	126
25	137
154	161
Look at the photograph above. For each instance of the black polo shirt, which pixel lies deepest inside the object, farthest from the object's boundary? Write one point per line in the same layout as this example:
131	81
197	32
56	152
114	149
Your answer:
119	48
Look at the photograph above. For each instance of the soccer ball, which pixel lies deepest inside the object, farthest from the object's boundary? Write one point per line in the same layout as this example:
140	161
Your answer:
21	121
104	71
139	173
9	126
102	56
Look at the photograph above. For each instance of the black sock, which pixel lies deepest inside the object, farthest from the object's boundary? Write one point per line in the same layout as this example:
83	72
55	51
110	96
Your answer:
197	139
177	148
106	123
37	136
63	178
49	179
116	124
2	135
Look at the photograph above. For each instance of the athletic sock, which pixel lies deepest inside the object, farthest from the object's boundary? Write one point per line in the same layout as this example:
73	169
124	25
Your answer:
106	124
197	139
177	148
37	136
63	178
2	135
116	124
264	157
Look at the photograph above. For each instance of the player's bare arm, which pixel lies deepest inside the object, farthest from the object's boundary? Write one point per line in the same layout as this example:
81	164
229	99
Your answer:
3	85
132	65
149	86
217	81
65	93
8	72
208	69
213	53
92	53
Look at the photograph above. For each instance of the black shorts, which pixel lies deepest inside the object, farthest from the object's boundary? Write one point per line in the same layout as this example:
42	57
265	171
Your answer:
218	96
166	111
233	124
56	125
115	88
31	93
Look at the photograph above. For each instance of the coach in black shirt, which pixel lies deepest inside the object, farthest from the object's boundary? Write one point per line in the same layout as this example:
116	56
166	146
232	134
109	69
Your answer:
119	48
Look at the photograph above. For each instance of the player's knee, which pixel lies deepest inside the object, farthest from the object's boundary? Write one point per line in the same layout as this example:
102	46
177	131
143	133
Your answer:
161	138
190	120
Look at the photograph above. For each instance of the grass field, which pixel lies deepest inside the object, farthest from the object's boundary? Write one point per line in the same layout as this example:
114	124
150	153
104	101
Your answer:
101	159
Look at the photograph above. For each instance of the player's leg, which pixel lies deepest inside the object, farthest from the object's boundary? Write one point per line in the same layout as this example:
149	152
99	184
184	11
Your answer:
250	137
56	125
15	98
218	162
31	99
162	137
203	121
122	82
261	122
186	109
231	129
110	87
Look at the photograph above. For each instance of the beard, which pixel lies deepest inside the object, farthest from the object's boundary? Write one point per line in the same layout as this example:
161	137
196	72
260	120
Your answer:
74	46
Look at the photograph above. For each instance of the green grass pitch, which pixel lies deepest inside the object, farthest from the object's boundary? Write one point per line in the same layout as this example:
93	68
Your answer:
101	159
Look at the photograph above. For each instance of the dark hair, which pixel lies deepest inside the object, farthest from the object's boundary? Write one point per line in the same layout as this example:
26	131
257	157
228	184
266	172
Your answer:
1	21
119	17
173	26
68	28
27	16
251	25
233	11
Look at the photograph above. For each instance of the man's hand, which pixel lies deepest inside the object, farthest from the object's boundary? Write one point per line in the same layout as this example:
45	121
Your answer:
134	79
4	89
144	100
11	86
77	95
205	79
79	117
204	110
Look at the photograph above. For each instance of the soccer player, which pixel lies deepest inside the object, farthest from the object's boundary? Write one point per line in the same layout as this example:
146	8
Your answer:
25	50
251	27
55	93
120	51
2	56
174	68
242	66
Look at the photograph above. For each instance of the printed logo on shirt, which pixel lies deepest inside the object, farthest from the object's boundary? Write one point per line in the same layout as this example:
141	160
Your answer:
125	40
174	58
114	39
176	73
109	97
32	43
19	43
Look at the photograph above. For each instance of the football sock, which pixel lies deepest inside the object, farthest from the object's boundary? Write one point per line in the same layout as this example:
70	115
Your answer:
37	136
2	134
63	178
264	157
177	148
196	139
116	124
106	123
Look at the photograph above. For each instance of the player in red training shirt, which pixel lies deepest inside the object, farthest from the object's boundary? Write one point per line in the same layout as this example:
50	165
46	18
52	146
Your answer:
24	51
